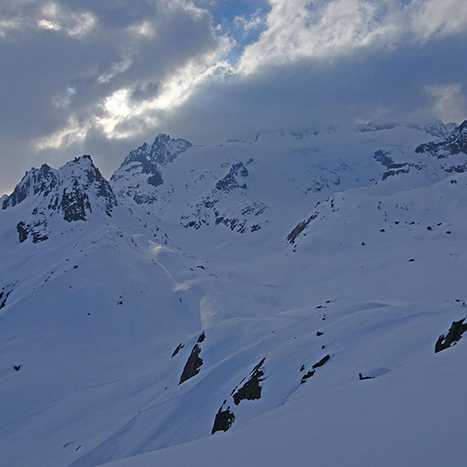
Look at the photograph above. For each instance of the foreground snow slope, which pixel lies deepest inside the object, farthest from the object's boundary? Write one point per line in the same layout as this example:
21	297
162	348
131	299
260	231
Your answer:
303	322
410	417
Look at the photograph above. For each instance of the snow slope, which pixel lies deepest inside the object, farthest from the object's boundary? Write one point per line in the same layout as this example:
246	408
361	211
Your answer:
302	323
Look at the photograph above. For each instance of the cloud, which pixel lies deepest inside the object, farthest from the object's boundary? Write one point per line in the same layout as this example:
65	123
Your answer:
327	30
102	76
79	68
449	101
413	84
432	18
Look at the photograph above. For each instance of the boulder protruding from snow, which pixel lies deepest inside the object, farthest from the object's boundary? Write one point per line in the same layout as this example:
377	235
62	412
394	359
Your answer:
321	362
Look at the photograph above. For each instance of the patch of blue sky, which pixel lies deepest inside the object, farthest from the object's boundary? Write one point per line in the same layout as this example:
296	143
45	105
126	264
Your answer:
241	20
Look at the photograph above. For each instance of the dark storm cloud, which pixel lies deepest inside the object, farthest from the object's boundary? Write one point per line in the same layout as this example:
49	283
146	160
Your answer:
63	60
390	86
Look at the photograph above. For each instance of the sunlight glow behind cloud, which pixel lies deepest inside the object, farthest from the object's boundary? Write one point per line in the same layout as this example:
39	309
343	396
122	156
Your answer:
97	72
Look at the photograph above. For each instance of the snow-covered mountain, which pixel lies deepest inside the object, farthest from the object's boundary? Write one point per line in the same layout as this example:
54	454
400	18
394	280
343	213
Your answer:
140	172
68	194
285	295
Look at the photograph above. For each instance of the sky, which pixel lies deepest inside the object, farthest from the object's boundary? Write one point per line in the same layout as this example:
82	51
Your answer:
101	77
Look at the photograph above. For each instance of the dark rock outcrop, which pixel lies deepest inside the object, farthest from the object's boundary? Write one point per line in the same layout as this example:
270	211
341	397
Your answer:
307	376
299	228
34	229
452	336
321	362
361	377
179	347
400	169
453	144
230	181
194	361
224	419
252	388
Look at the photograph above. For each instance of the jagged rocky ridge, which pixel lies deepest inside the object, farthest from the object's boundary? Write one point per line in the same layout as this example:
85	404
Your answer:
141	171
71	192
452	144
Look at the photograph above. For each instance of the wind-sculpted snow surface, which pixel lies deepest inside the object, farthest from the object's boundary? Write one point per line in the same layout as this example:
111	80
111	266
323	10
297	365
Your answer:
133	338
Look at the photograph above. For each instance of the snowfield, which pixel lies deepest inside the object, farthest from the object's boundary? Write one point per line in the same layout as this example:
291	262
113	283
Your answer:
269	302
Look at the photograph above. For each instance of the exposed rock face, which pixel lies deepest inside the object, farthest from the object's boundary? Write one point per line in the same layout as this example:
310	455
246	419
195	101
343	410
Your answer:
304	225
452	337
252	388
71	192
224	419
453	144
216	207
307	376
230	181
194	361
163	150
32	229
42	180
178	348
400	168
321	362
299	228
141	172
449	150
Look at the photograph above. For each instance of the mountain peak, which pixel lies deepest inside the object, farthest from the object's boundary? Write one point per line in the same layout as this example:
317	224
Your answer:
162	151
452	144
140	172
35	181
72	191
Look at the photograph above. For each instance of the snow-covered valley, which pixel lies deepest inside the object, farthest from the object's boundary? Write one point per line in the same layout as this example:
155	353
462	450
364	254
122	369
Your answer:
266	302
